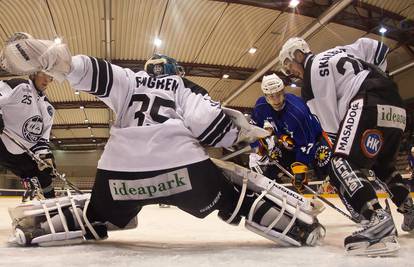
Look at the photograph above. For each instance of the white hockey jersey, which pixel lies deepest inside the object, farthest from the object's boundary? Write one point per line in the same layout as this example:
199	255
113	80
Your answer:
27	115
161	123
333	77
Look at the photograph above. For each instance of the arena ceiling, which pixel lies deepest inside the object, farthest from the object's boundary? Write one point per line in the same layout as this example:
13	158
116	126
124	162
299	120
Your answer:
209	38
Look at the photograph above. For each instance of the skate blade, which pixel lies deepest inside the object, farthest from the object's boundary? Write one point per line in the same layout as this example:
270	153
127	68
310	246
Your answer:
387	246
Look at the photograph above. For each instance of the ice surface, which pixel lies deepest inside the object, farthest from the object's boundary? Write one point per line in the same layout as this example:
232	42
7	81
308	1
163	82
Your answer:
170	237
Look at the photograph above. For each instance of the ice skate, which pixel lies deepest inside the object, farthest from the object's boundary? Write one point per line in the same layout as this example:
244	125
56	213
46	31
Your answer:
407	209
377	238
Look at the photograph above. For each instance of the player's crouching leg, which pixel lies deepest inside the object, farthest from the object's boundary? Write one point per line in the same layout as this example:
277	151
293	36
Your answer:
55	222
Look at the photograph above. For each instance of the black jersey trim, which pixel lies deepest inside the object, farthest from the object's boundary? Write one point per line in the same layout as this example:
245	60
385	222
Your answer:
195	88
216	130
223	133
15	82
102	77
41	144
380	53
307	91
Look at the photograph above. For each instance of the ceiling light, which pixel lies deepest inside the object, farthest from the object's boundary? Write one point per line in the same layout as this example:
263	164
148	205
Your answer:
226	76
57	40
252	50
59	141
86	120
293	3
94	140
76	92
382	30
91	135
157	42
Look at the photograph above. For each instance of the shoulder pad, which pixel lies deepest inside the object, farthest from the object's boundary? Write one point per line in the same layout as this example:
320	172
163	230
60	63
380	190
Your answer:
195	88
15	82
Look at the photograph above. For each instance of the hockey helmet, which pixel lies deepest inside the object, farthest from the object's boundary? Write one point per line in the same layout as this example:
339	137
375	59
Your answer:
272	84
160	65
289	48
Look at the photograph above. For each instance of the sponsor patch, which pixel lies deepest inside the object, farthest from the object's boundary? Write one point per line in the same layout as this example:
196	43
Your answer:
391	116
346	176
32	129
371	142
349	127
163	185
322	155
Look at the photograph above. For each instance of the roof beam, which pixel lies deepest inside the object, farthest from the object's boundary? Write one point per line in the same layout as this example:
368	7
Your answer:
78	104
108	23
402	69
322	20
80	126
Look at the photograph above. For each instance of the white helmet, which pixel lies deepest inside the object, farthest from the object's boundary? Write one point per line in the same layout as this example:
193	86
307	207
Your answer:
267	124
290	46
412	149
272	84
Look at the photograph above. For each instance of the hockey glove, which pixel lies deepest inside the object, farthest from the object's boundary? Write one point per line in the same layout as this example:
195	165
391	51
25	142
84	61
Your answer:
300	173
49	161
287	142
1	124
22	54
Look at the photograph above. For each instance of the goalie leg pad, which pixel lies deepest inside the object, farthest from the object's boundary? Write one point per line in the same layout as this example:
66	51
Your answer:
52	222
277	213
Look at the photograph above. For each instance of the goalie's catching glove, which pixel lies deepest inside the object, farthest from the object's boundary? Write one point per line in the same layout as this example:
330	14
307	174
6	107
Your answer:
300	173
24	55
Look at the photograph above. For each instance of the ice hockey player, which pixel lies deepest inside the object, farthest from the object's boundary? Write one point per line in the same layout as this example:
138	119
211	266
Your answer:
155	154
27	115
354	99
296	128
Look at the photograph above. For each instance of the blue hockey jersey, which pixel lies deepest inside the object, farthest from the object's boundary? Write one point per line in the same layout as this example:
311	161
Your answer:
294	120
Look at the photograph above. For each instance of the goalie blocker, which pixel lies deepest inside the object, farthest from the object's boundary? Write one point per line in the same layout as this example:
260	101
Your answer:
270	209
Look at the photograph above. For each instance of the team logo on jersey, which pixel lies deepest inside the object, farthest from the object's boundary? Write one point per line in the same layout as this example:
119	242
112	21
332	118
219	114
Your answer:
32	129
50	111
322	155
349	127
159	186
391	116
371	142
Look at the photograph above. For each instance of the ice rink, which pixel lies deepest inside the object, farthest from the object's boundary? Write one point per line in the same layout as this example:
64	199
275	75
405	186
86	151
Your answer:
170	237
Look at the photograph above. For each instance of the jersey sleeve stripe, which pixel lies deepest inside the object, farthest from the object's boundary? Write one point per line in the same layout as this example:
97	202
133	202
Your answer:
94	74
222	134
218	131
380	53
102	77
215	130
211	126
40	145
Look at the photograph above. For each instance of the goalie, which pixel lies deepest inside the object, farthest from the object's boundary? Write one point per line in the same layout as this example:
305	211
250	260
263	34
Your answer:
155	155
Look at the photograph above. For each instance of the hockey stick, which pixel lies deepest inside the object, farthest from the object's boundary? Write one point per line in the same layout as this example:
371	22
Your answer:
38	160
236	153
327	202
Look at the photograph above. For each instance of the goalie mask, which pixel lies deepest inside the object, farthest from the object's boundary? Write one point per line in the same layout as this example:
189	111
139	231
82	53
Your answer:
161	65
